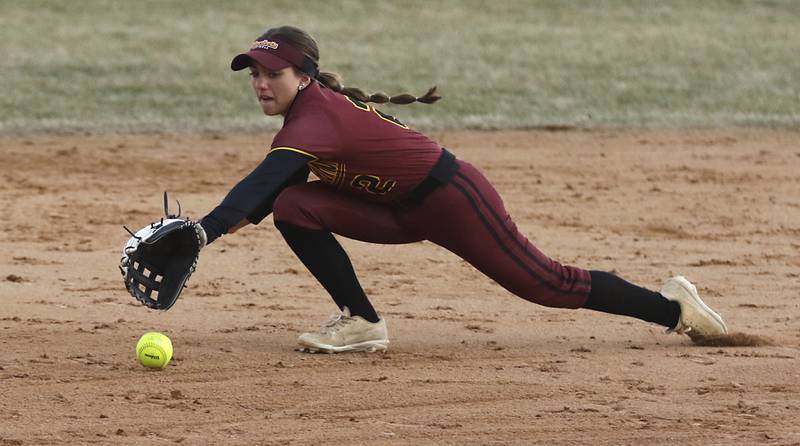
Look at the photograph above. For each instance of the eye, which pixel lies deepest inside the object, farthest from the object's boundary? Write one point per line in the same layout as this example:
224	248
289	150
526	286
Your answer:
274	74
254	74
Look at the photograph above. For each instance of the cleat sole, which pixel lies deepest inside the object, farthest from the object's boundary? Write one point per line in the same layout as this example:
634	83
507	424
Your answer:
368	347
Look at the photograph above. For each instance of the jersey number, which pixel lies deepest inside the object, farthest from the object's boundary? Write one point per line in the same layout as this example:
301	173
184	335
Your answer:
372	184
368	108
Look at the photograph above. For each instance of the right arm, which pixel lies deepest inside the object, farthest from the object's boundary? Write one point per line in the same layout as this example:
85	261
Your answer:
250	201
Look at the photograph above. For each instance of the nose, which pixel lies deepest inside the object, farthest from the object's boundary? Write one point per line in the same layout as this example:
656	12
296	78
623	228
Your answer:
260	83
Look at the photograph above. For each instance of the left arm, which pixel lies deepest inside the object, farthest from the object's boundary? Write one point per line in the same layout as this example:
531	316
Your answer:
239	225
250	201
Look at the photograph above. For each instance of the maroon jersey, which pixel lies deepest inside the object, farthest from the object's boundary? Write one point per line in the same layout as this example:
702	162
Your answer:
355	148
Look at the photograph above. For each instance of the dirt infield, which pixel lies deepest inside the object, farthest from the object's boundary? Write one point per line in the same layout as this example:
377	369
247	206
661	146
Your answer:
468	364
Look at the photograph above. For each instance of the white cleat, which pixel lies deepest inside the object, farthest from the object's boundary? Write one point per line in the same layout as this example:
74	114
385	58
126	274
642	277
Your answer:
696	319
345	333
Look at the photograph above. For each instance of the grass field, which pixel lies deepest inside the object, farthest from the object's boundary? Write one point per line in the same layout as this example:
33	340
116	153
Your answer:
150	66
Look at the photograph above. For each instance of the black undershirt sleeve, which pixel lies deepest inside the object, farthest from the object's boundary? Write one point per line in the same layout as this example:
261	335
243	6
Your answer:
253	196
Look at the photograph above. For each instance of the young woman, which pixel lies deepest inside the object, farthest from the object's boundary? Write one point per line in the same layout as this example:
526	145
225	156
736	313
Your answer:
382	182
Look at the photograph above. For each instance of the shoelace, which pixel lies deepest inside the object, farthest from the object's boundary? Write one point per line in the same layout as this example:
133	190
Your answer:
335	322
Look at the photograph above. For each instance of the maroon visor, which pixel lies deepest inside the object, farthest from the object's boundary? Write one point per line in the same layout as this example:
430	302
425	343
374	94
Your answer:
275	55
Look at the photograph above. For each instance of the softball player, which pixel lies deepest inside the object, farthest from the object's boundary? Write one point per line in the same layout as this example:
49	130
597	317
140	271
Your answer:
382	182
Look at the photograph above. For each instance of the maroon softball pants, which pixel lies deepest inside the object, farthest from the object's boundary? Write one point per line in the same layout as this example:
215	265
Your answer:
465	216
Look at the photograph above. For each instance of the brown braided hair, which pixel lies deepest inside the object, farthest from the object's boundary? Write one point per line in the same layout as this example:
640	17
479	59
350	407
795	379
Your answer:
303	41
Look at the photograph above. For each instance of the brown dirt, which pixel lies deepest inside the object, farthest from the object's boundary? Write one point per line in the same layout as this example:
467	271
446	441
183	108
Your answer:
468	364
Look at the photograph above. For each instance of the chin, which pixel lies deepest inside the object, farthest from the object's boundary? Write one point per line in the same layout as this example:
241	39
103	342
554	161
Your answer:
270	111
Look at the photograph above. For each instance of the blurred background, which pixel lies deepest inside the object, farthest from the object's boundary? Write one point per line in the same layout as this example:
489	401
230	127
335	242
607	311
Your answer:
102	66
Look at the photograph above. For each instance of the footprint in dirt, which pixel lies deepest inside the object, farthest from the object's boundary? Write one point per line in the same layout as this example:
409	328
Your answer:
23	260
733	340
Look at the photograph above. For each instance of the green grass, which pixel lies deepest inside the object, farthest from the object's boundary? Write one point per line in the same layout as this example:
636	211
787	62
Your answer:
162	66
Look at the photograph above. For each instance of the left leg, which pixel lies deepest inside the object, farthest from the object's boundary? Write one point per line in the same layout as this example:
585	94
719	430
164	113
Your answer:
308	215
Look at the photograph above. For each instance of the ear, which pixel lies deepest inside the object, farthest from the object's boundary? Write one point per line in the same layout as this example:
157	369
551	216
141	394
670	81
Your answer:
305	79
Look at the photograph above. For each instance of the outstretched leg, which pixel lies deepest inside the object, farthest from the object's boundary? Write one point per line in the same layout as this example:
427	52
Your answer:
468	218
611	294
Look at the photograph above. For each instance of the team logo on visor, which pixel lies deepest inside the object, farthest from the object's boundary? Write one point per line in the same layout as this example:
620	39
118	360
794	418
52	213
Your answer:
264	45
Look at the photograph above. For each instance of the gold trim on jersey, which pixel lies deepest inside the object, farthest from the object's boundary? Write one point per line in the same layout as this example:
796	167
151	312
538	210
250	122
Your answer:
370	109
358	104
329	172
292	149
389	118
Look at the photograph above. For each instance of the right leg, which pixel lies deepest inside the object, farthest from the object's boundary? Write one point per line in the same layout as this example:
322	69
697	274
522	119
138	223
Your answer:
677	306
468	218
611	294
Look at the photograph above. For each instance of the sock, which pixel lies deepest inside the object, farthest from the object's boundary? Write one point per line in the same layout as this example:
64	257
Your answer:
328	262
611	294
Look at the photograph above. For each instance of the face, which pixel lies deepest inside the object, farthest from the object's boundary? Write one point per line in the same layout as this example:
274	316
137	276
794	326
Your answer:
276	90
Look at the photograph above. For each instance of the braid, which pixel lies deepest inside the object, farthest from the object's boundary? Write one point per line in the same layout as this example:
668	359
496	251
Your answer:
334	82
308	45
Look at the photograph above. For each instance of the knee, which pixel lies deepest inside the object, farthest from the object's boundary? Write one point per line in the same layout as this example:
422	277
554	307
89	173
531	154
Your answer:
295	205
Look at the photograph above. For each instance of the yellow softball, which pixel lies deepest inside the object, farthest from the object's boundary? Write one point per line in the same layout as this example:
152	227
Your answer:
154	350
